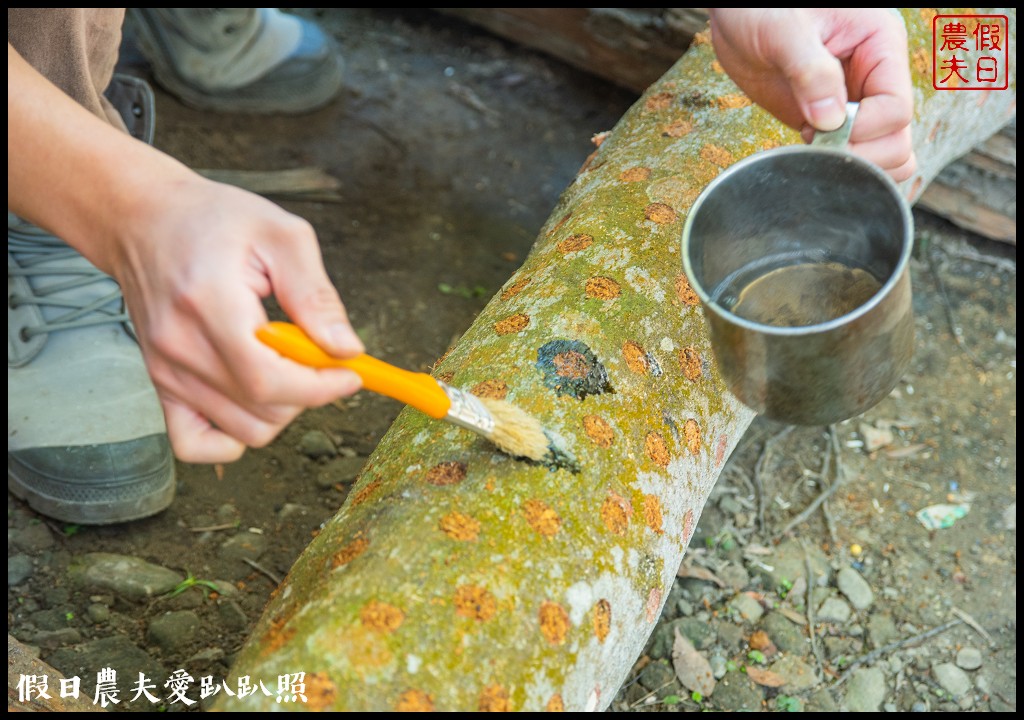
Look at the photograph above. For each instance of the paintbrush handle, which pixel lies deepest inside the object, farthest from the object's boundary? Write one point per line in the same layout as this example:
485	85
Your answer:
417	389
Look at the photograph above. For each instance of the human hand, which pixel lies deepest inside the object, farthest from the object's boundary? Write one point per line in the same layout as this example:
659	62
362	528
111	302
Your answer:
802	65
194	261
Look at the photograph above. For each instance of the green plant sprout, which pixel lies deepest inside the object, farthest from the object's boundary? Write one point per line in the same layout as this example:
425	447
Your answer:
190	581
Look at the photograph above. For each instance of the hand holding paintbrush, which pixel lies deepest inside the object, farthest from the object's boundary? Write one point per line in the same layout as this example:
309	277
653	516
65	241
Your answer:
511	429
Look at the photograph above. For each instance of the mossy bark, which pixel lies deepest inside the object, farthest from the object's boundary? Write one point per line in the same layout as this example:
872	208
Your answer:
457	578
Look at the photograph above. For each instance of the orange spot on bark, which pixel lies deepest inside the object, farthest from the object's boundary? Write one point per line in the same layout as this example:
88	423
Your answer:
685	292
635	357
575	243
494	698
321	692
446	473
459	527
677	129
689	360
493	389
602	619
615	512
571	364
475	602
702	38
554	622
660	213
687	527
559	224
653	605
602	288
717	67
381	616
691	431
445	377
555	704
659	101
723	442
515	288
276	637
635	174
512	324
656	449
415	701
541	517
716	155
734	101
598	138
652	513
349	552
599	431
364	492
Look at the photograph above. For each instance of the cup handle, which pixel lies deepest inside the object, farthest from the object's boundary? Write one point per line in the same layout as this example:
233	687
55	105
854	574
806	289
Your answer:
838	138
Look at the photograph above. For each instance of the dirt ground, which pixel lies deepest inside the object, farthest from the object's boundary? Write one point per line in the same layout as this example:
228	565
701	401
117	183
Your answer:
452	147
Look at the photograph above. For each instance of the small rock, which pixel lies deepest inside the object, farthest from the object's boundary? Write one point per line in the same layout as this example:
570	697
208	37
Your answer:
19	569
855	588
735	692
232	616
952	679
123	575
116	652
882	629
206	656
834	610
174	630
866	690
50	639
747	607
243	546
33	538
821	701
291	510
890	707
656	675
787	636
701	634
787	563
735	576
342	470
969	658
227	513
718	665
730	636
97	613
797	674
316	444
919	707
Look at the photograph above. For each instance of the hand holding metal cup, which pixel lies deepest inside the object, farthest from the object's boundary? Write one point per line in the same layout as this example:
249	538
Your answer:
800	256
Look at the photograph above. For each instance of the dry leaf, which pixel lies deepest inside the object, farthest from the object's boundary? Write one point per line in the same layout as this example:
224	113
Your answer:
765	677
692	668
793	615
699	573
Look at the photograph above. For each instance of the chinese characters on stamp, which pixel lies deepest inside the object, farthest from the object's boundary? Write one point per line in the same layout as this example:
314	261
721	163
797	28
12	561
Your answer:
970	52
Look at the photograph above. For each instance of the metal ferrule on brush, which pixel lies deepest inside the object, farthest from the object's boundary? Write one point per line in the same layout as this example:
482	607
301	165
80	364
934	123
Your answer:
468	412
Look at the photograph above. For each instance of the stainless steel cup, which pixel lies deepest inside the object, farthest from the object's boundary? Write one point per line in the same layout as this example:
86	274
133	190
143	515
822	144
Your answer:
800	257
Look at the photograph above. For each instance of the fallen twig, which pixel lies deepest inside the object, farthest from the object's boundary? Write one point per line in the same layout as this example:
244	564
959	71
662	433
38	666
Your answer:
885	649
810	612
256	566
975	625
762	460
214	528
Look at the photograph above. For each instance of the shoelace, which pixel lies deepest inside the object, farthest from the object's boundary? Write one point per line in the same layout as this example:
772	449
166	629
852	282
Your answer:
45	255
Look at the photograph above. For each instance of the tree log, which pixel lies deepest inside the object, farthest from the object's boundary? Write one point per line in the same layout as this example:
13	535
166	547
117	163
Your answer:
457	578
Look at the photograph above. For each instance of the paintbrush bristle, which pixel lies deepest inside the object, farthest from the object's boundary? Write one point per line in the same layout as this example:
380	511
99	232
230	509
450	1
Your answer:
516	432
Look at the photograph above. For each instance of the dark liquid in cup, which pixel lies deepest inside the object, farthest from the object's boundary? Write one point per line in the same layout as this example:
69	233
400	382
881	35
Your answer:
797	295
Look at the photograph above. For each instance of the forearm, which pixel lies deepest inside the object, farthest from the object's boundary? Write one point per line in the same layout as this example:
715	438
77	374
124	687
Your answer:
72	173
